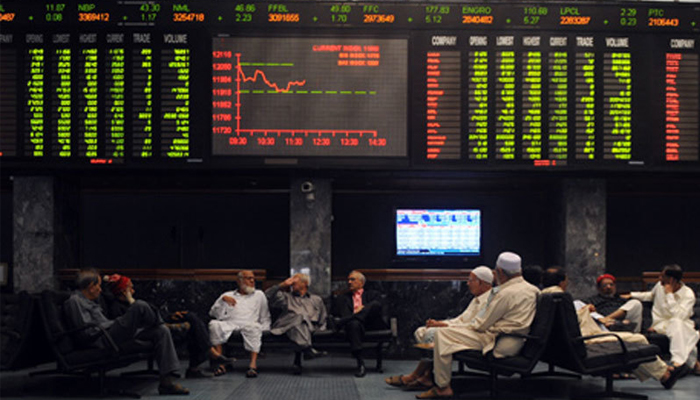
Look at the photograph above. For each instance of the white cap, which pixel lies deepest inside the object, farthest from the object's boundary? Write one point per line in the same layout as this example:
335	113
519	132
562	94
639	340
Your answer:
509	262
484	274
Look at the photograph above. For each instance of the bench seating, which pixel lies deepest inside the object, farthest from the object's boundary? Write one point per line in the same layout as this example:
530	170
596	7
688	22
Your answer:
524	362
71	358
567	349
376	340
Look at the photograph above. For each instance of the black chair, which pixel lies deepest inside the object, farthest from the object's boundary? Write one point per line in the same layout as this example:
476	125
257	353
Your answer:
23	344
73	359
568	349
524	362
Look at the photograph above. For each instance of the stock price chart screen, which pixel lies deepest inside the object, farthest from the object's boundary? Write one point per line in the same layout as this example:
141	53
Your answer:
309	97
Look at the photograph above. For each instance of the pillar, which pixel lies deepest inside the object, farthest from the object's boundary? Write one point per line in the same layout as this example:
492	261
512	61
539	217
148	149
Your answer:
584	218
310	232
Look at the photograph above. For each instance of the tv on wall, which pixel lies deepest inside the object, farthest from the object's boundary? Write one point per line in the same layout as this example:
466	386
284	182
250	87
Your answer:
438	232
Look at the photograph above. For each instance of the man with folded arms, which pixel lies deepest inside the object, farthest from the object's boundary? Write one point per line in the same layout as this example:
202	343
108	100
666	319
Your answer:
673	306
243	310
511	310
555	280
140	322
479	282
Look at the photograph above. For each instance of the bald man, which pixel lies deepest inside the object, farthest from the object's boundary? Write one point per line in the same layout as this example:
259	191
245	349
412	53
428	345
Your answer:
359	309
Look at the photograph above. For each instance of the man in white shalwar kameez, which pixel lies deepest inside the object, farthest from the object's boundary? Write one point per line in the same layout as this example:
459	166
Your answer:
244	310
479	282
511	310
672	308
554	280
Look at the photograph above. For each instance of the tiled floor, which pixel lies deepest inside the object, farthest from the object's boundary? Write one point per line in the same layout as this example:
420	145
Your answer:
328	378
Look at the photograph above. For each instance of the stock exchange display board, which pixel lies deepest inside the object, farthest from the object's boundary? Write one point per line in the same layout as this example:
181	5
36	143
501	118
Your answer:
458	86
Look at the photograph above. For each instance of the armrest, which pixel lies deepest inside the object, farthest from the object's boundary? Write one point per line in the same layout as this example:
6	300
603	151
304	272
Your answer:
519	335
394	324
619	340
102	332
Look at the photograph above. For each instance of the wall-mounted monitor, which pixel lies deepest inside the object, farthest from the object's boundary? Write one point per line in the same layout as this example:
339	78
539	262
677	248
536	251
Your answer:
438	232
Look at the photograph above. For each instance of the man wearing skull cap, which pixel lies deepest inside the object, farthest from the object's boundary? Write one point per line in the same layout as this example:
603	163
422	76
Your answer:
511	309
480	281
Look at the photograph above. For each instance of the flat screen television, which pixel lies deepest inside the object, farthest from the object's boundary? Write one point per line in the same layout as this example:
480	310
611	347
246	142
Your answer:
438	232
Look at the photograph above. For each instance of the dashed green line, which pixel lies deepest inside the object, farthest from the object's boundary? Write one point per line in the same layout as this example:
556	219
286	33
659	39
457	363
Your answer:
358	92
246	64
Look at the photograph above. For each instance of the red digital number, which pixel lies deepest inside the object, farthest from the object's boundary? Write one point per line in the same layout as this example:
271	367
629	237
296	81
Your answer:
238	141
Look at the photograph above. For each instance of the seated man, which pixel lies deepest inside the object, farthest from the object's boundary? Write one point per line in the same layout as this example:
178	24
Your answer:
243	310
672	308
358	309
139	322
611	310
511	310
303	313
555	280
479	283
198	345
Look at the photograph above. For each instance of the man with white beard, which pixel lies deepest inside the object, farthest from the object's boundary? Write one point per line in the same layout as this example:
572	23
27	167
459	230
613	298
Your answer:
244	310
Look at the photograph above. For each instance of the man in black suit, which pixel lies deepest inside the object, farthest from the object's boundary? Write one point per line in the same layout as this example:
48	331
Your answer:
359	310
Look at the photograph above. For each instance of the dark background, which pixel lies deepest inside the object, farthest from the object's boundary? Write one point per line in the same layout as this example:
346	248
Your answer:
223	222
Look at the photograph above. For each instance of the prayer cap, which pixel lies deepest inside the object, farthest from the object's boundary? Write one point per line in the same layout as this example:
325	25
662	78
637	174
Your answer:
484	274
604	276
509	262
118	283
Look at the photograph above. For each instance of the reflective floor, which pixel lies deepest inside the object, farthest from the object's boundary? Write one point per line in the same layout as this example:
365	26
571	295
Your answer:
327	378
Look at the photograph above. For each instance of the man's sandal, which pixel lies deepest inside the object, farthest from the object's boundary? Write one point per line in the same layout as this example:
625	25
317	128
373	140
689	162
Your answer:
433	394
173	388
417	386
396	381
252	373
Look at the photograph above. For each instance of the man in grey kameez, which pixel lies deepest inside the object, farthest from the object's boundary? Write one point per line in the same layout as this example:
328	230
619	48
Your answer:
303	313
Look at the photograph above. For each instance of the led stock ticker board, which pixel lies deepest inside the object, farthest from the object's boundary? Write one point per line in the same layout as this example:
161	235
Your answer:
404	85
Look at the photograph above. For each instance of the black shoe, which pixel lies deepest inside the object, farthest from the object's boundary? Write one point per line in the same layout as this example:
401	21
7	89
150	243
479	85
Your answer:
296	369
361	371
675	374
311	353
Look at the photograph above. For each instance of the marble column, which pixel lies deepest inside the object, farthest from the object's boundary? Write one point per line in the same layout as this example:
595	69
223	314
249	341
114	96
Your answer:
34	233
310	232
584	230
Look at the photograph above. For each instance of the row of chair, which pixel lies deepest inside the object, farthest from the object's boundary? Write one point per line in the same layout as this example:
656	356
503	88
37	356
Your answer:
555	338
31	338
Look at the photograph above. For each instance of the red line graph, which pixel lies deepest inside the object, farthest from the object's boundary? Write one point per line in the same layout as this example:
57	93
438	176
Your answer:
254	78
240	77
